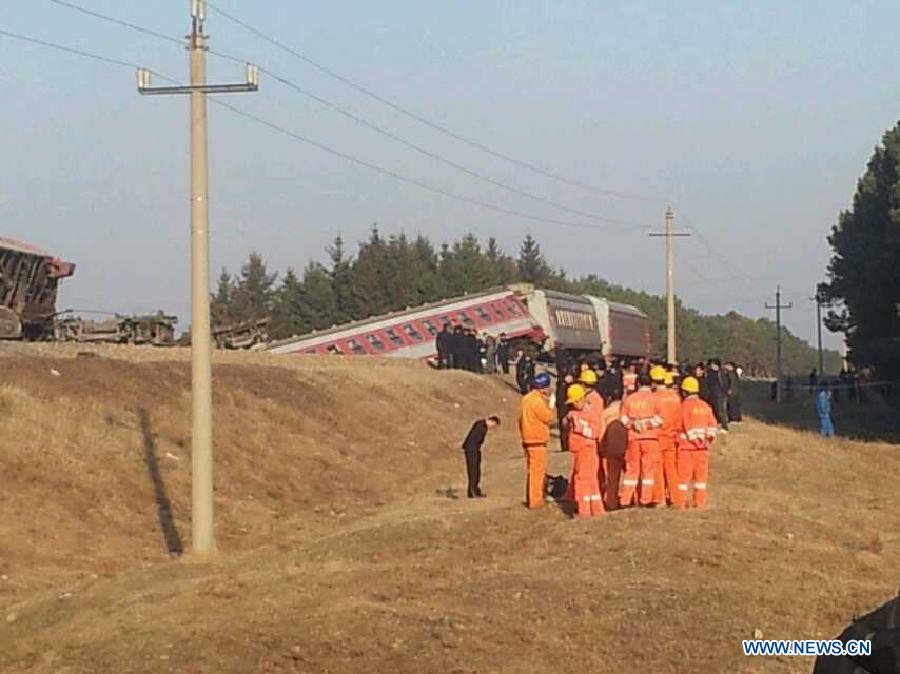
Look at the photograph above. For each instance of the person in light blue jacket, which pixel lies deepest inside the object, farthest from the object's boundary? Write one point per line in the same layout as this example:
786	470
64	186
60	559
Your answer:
823	409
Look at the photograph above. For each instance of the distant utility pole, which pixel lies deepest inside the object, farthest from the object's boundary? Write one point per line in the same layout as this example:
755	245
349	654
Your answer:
202	529
778	306
671	347
819	303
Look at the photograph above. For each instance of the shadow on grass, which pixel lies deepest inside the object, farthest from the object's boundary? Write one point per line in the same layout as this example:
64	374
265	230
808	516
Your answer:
875	419
171	537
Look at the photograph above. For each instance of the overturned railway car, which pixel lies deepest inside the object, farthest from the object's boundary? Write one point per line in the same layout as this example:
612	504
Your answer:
411	333
29	283
549	321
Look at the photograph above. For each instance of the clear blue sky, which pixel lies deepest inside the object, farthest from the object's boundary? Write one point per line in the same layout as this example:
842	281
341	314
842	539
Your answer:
754	118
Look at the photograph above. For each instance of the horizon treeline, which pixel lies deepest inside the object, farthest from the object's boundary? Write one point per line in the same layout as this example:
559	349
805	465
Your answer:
390	273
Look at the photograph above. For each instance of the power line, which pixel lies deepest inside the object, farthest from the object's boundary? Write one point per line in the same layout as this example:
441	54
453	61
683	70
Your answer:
119	22
424	151
358	119
343	155
423	120
398	176
64	48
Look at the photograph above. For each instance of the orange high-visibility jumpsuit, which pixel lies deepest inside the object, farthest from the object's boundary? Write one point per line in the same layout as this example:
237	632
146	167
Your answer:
666	478
535	416
593	408
641	415
697	429
583	429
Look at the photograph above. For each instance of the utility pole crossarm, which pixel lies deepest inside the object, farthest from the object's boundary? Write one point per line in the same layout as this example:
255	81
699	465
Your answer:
202	521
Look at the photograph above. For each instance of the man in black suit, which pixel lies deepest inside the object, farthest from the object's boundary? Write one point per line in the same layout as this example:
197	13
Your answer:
472	448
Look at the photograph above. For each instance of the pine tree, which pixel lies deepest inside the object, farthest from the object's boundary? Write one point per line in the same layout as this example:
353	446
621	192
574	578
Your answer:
252	298
863	272
533	268
288	313
503	267
220	307
318	296
341	274
368	282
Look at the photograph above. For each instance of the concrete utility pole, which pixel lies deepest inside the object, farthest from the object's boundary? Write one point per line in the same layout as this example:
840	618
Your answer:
202	528
818	300
671	347
778	306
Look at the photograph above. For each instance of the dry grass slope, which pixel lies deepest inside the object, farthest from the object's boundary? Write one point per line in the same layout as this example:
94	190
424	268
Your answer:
343	548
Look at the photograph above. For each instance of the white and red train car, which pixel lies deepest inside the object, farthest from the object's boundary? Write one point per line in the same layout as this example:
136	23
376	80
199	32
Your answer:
411	333
548	320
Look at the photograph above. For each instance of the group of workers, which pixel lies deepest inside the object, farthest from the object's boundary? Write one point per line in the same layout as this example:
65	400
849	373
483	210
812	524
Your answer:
643	443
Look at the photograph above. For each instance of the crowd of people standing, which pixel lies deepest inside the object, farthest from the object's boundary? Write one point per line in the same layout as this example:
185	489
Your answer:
461	348
638	432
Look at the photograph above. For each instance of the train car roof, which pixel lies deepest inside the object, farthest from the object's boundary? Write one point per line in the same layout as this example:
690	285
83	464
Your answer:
626	309
556	294
21	247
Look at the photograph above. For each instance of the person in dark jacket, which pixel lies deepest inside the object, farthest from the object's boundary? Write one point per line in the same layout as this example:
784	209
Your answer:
524	372
472	448
717	392
562	388
735	414
443	345
503	353
470	351
612	384
457	348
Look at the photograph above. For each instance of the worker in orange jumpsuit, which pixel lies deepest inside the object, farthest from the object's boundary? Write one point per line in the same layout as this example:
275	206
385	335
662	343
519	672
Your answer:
665	482
697	430
593	406
642	416
583	428
535	416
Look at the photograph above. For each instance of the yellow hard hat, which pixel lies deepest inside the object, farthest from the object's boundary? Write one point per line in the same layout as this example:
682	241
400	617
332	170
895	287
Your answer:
588	377
690	385
658	374
575	393
670	379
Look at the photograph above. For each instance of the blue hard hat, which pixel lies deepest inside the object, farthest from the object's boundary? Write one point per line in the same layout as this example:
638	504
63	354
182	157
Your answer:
541	380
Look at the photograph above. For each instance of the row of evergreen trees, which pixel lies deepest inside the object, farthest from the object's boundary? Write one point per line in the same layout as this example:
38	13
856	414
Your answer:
394	272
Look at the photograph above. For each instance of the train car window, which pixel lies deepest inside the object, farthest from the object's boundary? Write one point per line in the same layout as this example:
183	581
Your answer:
334	349
393	337
446	319
355	347
430	327
376	342
483	315
512	307
412	333
498	308
463	317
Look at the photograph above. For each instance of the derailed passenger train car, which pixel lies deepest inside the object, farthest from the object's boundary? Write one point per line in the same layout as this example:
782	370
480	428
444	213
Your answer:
540	320
29	283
